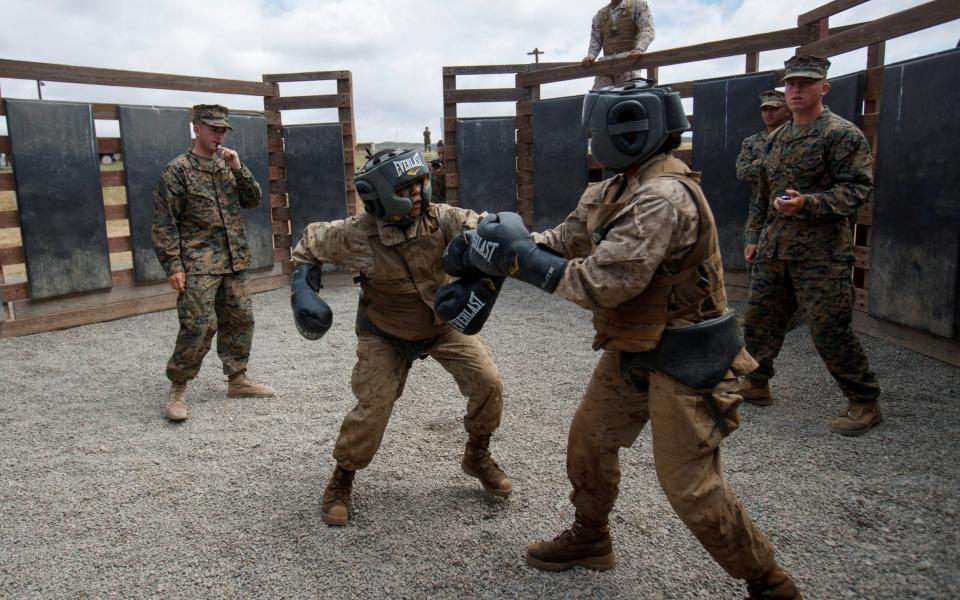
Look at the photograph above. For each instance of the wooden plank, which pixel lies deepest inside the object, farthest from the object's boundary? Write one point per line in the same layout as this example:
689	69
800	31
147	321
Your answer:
280	227
21	69
7	182
119	244
861	257
752	62
108	145
484	95
306	76
8	218
281	254
942	349
116	212
304	102
12	255
502	69
281	213
112	178
865	215
827	10
5	144
15	291
107	112
889	27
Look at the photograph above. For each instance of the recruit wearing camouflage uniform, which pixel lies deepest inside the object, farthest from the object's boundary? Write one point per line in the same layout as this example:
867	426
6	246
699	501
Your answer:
658	264
804	261
438	182
426	139
198	230
400	270
622	28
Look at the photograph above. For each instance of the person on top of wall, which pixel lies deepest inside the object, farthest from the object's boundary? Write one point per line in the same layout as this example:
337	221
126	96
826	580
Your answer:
621	26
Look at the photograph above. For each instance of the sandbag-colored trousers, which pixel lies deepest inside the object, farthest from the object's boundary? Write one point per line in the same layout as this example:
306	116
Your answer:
213	304
380	374
686	453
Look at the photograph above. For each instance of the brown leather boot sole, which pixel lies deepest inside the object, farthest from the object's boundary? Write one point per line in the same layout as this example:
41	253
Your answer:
490	490
330	519
597	563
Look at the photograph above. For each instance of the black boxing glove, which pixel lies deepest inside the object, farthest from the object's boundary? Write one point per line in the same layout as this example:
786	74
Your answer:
456	256
502	246
311	314
466	303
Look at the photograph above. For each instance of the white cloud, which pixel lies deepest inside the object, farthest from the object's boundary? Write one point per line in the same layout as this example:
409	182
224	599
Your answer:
395	51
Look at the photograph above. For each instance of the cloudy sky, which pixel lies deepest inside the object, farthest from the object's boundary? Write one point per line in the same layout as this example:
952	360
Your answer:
395	50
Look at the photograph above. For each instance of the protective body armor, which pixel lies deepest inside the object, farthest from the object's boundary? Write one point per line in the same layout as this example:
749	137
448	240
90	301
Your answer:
690	289
398	296
619	34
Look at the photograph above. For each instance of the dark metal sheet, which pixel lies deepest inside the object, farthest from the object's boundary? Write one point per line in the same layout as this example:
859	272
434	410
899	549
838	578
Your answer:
559	159
315	178
727	110
249	138
486	164
151	137
915	248
845	97
59	197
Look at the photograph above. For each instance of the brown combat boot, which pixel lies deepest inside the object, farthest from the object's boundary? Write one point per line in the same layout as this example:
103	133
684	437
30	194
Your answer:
775	585
756	392
335	508
857	418
586	544
478	463
241	386
176	409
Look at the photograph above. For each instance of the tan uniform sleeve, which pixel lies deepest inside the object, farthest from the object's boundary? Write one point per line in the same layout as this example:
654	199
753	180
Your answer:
454	219
648	230
340	242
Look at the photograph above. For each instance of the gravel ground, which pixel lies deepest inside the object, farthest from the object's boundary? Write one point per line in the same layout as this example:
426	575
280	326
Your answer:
102	497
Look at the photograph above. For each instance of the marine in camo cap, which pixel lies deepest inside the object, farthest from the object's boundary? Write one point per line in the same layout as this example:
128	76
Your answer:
817	170
201	243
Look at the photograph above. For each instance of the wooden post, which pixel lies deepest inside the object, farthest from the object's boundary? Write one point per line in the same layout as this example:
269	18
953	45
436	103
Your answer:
276	159
753	62
524	151
450	136
345	113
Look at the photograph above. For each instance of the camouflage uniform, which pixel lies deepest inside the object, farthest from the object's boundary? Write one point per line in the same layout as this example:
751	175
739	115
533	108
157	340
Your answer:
625	27
658	224
426	139
804	261
438	184
400	270
198	230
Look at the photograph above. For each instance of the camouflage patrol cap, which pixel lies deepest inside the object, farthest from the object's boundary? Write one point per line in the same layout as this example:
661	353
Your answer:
774	98
213	115
806	65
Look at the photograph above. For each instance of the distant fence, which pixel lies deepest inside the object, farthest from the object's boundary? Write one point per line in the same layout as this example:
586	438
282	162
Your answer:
925	317
81	236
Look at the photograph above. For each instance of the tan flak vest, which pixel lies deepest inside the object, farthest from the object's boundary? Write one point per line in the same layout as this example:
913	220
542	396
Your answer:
399	294
620	34
690	289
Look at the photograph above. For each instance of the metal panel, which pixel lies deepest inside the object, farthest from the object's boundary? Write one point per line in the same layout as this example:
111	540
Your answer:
845	97
315	179
249	138
559	159
486	164
59	197
727	110
915	247
151	137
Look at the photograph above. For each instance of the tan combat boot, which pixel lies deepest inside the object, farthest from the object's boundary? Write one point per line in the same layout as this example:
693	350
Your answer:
775	585
586	544
478	463
857	418
176	409
241	386
756	392
335	508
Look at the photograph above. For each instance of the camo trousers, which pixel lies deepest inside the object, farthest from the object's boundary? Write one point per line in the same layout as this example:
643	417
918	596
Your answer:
823	292
380	374
213	304
686	454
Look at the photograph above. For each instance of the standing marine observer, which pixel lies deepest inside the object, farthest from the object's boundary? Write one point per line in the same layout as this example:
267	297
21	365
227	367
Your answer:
397	247
640	251
201	243
621	26
817	171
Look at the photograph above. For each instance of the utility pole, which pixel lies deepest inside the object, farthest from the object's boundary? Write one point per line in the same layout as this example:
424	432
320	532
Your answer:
536	52
39	93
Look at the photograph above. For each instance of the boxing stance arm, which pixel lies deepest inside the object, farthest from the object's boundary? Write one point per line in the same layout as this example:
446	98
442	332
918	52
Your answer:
467	302
311	314
501	246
